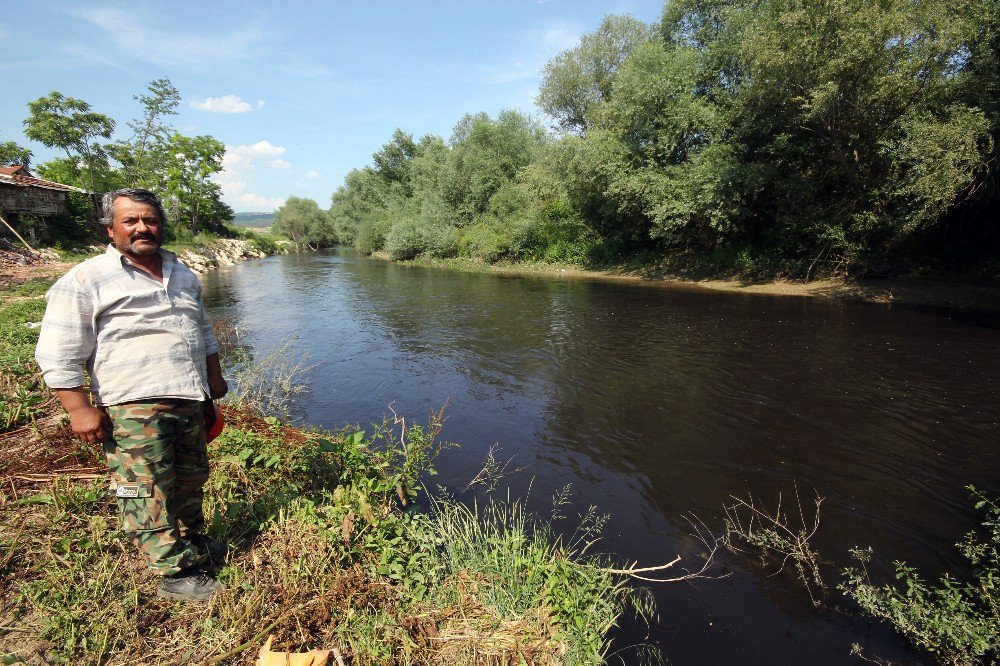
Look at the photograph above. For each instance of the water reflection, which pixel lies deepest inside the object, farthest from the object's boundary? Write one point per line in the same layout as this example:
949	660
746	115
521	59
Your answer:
655	403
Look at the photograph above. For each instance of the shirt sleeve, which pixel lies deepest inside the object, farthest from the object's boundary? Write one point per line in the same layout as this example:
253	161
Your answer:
207	332
67	335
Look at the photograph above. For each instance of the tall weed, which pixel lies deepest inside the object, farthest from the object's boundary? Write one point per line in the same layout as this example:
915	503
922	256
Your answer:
956	621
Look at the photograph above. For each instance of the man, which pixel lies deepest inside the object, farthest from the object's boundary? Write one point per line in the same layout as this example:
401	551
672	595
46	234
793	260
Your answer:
133	319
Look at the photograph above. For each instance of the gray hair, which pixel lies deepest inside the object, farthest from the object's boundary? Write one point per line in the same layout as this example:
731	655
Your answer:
135	194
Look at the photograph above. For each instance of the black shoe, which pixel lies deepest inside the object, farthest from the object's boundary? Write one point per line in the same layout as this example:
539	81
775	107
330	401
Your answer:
215	551
189	585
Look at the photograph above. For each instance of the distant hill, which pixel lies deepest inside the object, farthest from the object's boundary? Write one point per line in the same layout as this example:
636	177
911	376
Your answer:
253	219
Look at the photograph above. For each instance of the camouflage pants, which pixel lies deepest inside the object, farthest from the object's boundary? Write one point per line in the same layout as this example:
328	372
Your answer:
159	464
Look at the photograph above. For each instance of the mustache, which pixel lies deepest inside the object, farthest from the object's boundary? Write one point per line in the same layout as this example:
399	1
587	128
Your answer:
134	237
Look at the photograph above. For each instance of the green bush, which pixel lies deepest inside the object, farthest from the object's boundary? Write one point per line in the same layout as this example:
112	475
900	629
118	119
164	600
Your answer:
260	243
369	237
493	240
22	395
405	240
957	622
441	240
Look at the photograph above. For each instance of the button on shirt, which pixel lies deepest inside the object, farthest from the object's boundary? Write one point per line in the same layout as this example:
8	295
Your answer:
138	338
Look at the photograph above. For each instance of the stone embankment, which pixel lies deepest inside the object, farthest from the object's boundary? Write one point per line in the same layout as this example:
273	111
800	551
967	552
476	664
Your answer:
224	252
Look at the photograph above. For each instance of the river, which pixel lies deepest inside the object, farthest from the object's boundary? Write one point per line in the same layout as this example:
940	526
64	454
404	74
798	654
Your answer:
655	403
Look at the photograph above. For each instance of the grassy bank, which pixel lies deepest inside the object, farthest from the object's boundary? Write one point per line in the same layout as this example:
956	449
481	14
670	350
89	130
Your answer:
334	544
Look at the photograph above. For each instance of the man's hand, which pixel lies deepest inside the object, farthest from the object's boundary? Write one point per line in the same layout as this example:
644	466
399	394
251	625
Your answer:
88	423
217	385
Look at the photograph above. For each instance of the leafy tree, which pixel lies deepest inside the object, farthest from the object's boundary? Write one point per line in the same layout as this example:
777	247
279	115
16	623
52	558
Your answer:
138	155
361	198
12	154
846	105
302	221
67	123
486	154
187	165
578	79
392	162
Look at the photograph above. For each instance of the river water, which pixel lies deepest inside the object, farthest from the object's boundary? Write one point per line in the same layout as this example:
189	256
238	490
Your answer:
659	403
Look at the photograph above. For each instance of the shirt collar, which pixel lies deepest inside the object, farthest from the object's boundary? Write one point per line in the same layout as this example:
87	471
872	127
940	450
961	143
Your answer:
166	255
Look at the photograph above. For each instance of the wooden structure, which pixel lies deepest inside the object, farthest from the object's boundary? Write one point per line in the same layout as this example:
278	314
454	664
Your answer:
24	198
23	195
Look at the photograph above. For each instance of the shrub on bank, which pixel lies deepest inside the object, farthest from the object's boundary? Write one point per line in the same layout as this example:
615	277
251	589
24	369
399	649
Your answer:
405	240
21	392
956	621
370	237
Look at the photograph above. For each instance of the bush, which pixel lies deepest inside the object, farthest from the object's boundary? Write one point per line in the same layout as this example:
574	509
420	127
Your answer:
369	237
405	240
260	243
958	622
493	240
441	240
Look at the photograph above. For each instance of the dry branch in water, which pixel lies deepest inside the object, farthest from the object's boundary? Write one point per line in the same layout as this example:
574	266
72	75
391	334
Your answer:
772	534
704	535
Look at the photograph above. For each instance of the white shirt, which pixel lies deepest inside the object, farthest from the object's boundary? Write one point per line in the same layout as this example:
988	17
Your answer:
138	338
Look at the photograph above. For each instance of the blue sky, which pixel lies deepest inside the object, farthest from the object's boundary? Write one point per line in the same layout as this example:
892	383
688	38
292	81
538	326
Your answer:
300	92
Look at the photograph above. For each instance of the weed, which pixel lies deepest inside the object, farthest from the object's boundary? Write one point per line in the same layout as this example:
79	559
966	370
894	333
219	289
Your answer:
22	396
775	536
267	384
957	622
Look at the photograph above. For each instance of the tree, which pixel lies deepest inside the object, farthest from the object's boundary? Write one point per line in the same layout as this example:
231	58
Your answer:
576	80
361	199
138	155
187	164
302	221
392	162
57	121
486	154
12	154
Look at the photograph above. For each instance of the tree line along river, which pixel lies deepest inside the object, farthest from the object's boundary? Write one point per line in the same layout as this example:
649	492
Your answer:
656	403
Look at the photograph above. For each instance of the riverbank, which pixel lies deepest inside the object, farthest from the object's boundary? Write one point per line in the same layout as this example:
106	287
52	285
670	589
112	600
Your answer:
925	291
328	548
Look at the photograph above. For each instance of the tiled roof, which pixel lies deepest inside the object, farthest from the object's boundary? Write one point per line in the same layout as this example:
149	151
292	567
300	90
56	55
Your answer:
18	176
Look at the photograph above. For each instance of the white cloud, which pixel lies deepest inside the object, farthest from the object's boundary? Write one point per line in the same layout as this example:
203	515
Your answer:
231	187
537	46
224	104
516	71
313	175
260	104
238	157
279	164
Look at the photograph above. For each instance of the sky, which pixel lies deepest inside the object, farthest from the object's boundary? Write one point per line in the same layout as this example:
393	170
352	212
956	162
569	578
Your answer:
299	92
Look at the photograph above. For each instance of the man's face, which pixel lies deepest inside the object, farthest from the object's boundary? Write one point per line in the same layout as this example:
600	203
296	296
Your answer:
135	228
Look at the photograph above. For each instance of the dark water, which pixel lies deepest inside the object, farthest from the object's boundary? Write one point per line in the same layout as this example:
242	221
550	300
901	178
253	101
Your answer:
656	403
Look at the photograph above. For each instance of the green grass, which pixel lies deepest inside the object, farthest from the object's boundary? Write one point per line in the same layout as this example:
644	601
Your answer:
328	549
21	389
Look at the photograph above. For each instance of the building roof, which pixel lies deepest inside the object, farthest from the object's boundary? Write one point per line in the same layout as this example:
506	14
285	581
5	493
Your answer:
18	176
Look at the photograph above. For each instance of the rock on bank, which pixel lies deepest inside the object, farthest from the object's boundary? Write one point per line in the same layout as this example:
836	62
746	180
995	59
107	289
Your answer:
223	252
